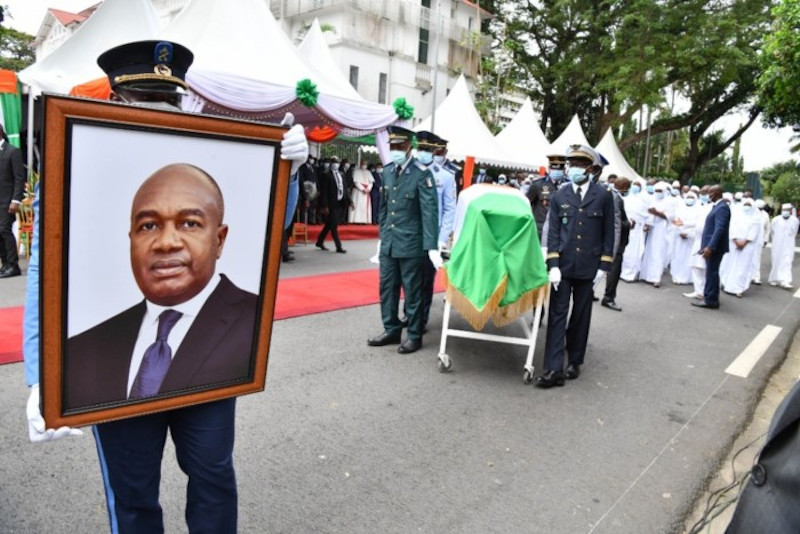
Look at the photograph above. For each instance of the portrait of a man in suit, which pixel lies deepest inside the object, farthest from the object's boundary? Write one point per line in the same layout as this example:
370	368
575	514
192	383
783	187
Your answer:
194	328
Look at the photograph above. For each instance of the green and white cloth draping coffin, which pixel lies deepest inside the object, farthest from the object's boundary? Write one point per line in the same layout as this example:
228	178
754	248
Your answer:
496	264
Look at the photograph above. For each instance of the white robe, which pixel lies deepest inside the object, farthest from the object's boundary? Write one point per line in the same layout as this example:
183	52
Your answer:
680	265
656	249
697	261
636	210
784	233
763	237
744	226
362	203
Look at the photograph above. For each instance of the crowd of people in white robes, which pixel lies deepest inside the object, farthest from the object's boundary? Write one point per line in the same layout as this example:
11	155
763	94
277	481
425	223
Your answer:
667	229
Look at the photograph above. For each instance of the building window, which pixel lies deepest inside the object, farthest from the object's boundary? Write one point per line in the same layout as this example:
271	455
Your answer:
422	54
354	77
382	79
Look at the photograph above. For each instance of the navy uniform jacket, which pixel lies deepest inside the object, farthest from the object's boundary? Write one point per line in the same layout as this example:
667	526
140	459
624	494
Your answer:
715	232
580	237
539	195
409	213
12	175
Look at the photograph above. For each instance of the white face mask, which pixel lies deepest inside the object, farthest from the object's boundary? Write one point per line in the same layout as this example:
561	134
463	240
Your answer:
577	175
398	156
438	160
334	166
690	202
786	214
424	157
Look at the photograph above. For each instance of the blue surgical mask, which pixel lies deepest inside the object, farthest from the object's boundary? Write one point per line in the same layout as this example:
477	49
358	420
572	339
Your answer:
398	156
635	189
438	160
623	193
334	166
481	171
660	195
786	214
747	208
557	174
674	192
690	202
651	189
424	157
705	199
577	175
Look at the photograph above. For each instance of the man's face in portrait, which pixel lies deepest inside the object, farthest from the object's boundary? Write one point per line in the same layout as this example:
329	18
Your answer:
176	234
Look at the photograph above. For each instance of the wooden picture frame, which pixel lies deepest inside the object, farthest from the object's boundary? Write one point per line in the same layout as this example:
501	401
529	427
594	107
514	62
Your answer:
96	155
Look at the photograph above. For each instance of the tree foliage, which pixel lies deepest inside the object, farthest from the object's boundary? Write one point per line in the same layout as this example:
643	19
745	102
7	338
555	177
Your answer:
780	79
604	60
16	51
787	189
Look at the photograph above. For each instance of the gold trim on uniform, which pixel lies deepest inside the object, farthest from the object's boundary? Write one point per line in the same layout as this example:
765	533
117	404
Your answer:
125	78
552	255
606	258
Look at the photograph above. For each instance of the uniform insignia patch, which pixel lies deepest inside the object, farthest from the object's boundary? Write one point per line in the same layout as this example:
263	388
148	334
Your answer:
428	183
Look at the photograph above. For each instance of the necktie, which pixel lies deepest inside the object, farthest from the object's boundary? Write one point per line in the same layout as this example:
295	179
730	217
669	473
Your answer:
580	194
339	187
156	359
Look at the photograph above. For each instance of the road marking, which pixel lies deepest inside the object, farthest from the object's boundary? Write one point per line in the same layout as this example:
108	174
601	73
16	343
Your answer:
745	362
797	294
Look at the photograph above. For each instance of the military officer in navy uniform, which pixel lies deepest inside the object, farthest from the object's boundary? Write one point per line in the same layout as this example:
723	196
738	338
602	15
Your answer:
432	151
580	246
409	228
541	190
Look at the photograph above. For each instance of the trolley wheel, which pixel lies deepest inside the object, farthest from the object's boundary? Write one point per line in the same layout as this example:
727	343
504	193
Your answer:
527	376
444	363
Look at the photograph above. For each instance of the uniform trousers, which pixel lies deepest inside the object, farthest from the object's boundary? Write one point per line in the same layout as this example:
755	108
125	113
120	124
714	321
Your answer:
612	281
428	281
573	336
394	274
130	453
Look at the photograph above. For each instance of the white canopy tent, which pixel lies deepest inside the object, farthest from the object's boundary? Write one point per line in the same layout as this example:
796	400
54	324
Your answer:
458	121
616	161
523	137
572	135
315	51
74	62
246	66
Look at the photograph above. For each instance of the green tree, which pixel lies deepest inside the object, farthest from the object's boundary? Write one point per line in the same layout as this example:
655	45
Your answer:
16	51
780	78
787	189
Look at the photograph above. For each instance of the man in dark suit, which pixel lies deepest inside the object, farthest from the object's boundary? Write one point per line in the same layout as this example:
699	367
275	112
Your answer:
12	187
333	203
409	229
769	500
580	247
714	245
543	187
620	190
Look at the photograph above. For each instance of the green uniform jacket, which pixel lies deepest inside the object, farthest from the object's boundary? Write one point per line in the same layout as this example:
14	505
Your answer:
409	212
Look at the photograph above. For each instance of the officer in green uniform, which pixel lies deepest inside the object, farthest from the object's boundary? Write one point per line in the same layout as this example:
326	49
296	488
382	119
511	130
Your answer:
409	227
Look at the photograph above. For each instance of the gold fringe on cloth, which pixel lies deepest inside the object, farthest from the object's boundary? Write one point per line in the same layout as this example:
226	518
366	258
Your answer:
500	315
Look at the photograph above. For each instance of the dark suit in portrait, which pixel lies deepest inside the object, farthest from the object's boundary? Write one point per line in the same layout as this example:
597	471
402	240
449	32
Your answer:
715	238
217	349
769	500
12	186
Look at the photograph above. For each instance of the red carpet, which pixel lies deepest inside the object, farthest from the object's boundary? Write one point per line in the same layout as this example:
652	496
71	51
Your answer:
10	335
296	297
347	232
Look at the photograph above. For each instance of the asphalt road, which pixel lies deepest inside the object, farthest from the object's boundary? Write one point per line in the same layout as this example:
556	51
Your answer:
352	439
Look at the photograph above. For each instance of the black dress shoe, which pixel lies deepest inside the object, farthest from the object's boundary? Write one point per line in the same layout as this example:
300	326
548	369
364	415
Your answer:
573	371
10	270
384	339
288	257
595	299
550	379
409	346
704	304
321	246
341	250
611	305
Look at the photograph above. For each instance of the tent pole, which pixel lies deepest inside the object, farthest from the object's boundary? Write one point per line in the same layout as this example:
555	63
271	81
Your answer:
436	65
30	130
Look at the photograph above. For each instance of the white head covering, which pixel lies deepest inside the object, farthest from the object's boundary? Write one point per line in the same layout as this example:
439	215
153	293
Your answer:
738	195
760	203
691	194
727	196
786	206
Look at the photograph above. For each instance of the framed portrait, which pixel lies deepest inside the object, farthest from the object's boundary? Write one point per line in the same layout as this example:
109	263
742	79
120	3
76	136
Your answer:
160	249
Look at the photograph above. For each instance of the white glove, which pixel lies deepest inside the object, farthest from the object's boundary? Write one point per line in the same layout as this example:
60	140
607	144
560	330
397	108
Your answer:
442	246
376	258
436	259
601	274
36	429
294	147
555	277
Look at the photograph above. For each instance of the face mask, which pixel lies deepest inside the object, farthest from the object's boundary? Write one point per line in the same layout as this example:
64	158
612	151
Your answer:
326	166
635	189
346	166
705	199
660	195
334	166
674	192
785	214
557	174
439	160
398	156
576	175
747	208
651	189
623	193
424	157
482	172
379	169
690	202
